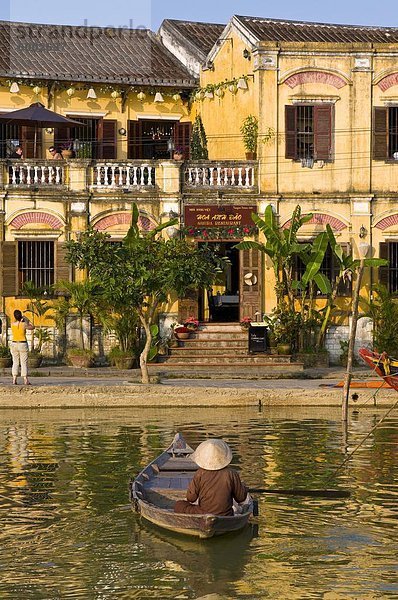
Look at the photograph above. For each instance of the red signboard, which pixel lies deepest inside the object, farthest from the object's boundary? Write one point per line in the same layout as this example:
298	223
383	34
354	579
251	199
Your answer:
231	215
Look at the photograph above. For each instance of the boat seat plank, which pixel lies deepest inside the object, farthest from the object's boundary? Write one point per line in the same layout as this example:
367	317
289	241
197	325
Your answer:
179	464
175	483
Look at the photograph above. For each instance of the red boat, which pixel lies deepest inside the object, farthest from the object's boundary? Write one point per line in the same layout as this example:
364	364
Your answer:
382	364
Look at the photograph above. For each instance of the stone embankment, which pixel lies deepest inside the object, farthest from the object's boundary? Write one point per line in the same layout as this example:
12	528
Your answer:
184	394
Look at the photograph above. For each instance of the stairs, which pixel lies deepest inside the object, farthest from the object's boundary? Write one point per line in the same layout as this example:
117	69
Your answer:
221	349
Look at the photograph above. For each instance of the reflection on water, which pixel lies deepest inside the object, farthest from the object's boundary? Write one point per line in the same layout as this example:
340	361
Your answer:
66	531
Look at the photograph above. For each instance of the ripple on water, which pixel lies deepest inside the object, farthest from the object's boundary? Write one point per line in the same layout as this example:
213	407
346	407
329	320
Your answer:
65	531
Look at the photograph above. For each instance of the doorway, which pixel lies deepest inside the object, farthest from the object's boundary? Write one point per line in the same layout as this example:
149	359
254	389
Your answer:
220	303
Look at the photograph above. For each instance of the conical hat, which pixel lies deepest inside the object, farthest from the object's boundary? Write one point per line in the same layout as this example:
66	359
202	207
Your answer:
212	455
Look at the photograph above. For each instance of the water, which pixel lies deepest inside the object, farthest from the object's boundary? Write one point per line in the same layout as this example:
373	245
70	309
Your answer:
66	530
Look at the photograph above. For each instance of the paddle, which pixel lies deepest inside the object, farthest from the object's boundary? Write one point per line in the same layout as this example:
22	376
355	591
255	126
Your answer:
302	492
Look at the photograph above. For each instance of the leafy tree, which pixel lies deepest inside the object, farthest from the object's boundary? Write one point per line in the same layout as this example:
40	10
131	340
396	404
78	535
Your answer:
199	141
143	271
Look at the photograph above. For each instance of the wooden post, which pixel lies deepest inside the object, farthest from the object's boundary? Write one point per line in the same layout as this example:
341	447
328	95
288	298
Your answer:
363	248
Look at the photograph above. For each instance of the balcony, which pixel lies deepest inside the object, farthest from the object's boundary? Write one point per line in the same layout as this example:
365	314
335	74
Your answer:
113	175
234	176
34	172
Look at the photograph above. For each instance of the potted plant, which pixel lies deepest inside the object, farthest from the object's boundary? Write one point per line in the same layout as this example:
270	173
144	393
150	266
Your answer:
67	149
121	359
80	357
249	131
181	332
5	357
35	358
191	323
245	322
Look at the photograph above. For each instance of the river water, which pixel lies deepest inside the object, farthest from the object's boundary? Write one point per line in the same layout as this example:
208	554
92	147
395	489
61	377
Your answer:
67	531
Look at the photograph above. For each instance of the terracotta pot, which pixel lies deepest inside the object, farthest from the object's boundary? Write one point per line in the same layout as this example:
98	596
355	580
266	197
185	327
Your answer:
126	362
284	349
251	155
182	336
178	156
5	362
81	361
34	361
67	153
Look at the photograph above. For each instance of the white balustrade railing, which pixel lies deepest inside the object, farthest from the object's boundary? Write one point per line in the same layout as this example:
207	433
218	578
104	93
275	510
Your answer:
214	175
111	175
36	173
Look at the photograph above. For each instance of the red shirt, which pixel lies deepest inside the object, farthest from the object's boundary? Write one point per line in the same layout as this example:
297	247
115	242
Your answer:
216	490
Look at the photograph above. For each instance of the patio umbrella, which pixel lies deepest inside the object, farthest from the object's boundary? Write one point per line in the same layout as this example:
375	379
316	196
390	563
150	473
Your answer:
39	117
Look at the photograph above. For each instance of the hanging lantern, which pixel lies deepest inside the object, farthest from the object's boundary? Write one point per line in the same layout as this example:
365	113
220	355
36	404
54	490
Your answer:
14	88
70	91
158	97
242	84
232	88
115	94
176	97
91	94
219	92
36	90
209	94
141	96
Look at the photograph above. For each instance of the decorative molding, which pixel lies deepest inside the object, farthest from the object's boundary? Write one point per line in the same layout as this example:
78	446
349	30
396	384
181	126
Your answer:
307	99
86	113
388	81
265	61
387	222
28	218
315	77
322	219
159	117
144	223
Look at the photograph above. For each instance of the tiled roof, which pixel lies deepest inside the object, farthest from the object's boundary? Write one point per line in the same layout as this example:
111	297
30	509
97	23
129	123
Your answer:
300	31
202	36
93	54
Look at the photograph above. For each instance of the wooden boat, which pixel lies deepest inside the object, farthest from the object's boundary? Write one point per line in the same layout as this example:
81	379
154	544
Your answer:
155	490
382	364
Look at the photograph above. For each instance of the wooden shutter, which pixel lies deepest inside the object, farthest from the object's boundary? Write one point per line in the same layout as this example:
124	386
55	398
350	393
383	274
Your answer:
250	295
9	269
134	139
28	142
345	287
109	140
384	278
291	132
323	125
182	137
62	268
380	133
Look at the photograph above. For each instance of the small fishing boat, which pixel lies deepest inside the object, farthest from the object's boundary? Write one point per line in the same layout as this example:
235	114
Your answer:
382	364
155	490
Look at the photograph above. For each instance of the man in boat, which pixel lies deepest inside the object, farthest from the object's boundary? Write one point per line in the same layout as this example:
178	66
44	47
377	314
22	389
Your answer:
214	485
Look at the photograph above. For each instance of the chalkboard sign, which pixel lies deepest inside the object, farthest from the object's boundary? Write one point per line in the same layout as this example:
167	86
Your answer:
258	338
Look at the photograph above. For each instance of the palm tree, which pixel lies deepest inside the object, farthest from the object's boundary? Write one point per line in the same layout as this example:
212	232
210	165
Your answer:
81	297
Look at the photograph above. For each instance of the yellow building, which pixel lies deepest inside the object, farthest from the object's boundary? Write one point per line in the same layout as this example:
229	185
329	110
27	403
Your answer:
326	100
328	140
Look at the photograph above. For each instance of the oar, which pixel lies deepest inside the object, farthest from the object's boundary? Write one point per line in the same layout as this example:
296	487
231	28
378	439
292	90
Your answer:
302	492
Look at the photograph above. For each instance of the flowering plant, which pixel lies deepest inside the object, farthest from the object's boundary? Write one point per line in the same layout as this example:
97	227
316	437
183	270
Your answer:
178	150
245	322
191	323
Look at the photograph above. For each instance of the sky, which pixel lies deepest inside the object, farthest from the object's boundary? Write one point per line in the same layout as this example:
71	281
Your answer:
150	13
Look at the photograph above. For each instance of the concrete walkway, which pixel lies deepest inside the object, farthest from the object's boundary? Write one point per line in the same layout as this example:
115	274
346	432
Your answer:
65	387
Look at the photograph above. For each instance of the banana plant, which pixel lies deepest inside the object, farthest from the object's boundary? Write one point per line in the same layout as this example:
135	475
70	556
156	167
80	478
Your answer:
281	246
347	268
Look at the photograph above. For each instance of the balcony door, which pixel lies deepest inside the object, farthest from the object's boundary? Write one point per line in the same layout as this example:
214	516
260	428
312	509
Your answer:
95	138
150	139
